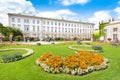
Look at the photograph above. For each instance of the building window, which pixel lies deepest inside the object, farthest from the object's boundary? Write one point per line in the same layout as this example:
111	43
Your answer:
19	25
55	23
69	30
62	29
72	30
59	29
65	24
26	20
65	29
37	28
51	29
26	27
51	23
13	25
33	21
77	30
33	28
55	29
37	21
59	24
18	20
115	29
13	19
43	22
115	38
48	23
62	24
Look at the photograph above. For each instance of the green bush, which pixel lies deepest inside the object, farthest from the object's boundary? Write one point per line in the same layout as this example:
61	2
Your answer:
11	57
6	38
38	44
58	39
17	38
75	38
97	48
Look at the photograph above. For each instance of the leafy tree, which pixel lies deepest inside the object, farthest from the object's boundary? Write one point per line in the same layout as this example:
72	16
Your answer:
101	28
6	31
1	24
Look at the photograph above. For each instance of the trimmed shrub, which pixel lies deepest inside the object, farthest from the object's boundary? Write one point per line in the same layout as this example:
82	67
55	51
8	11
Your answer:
17	38
11	57
99	48
38	44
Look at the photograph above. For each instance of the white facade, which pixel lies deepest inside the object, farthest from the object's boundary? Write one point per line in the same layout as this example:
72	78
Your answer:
41	27
113	31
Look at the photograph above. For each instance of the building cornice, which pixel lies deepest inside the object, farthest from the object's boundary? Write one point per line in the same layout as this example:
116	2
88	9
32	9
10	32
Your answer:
33	16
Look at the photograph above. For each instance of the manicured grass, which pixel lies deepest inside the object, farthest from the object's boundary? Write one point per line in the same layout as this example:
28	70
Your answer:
26	69
82	47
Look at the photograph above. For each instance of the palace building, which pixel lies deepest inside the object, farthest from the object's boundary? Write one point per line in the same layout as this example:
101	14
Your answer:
41	27
113	31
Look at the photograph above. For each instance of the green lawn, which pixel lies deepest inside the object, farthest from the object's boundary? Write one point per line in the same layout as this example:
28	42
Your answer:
82	47
26	69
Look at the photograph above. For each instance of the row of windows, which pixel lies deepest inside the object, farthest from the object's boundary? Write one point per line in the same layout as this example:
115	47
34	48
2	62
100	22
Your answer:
53	23
52	29
25	20
64	30
34	28
114	30
67	24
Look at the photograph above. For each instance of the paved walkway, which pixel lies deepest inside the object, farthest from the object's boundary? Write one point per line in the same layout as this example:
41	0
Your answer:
42	42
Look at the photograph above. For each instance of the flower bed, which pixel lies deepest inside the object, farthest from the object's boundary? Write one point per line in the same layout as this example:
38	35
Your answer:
77	64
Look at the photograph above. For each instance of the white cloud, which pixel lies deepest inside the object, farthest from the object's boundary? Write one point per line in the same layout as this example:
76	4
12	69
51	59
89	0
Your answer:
66	13
71	2
100	16
14	6
117	10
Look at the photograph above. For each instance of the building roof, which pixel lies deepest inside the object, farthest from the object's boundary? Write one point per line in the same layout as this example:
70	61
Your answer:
33	16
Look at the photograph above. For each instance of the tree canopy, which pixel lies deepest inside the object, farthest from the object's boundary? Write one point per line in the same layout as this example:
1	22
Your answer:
6	30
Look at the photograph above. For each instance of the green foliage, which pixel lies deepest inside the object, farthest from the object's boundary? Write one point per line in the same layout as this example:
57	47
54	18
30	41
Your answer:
11	57
38	44
97	48
96	36
101	28
6	31
17	38
75	38
58	39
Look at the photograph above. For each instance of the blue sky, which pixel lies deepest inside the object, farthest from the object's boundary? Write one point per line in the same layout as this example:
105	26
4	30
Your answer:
84	10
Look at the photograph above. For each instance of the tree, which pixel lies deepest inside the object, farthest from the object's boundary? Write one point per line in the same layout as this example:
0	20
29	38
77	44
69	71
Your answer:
1	24
6	31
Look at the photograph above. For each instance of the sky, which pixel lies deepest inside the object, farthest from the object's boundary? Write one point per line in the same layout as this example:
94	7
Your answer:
92	11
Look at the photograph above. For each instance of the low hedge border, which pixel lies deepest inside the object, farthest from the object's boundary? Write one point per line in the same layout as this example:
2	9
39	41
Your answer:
71	47
29	51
